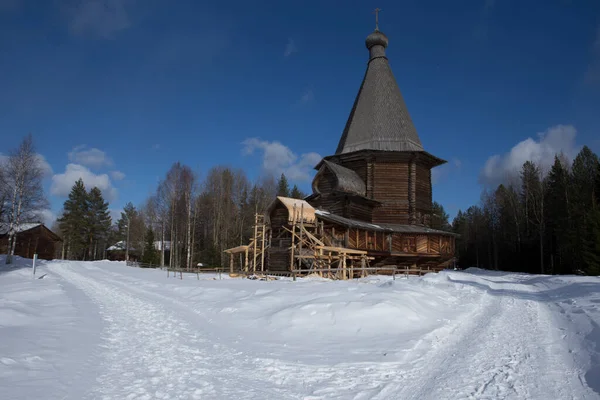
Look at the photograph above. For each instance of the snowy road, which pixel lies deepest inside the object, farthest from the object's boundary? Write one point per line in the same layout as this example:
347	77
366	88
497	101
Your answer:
452	335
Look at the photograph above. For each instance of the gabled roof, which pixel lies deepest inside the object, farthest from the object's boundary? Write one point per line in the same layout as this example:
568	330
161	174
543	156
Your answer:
4	228
379	119
300	207
24	227
347	180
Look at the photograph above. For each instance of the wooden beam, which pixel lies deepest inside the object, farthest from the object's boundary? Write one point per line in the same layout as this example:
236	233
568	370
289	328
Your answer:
341	250
235	250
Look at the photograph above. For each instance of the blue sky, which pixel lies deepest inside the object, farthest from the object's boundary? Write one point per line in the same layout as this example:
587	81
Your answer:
116	91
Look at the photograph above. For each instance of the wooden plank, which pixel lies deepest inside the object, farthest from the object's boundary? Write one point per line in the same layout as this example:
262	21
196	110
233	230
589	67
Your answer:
341	250
235	250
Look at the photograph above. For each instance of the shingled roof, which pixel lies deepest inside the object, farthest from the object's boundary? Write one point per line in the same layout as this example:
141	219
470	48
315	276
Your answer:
379	119
347	180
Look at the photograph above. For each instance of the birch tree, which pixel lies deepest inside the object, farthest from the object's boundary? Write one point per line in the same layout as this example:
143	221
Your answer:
22	182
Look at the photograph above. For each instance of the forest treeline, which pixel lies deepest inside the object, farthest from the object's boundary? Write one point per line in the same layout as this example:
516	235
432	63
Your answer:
184	222
541	222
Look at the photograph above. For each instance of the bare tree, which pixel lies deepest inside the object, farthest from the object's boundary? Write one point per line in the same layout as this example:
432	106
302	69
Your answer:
22	180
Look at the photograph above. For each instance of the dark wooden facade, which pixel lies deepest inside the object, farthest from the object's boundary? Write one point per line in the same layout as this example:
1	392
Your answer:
38	240
397	187
385	244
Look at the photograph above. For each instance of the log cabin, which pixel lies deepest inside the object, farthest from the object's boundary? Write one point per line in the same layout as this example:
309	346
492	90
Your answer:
372	198
32	238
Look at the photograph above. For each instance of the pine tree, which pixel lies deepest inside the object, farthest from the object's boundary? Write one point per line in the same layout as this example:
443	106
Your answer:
74	221
439	217
283	188
150	253
584	171
99	222
131	221
591	243
297	193
559	219
533	193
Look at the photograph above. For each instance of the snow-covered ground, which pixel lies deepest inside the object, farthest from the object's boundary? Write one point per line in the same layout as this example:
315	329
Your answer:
102	330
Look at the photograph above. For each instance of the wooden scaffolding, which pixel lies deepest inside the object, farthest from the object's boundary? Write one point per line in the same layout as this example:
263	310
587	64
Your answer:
252	256
312	253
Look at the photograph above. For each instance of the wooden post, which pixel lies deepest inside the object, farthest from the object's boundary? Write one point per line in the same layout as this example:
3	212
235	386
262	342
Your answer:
293	237
262	254
255	241
412	192
231	263
246	260
301	228
363	263
344	266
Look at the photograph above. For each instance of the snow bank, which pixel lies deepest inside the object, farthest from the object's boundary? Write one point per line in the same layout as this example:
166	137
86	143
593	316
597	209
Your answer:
105	330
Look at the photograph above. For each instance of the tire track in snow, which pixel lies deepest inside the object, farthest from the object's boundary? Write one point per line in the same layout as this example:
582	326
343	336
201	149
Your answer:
150	354
502	355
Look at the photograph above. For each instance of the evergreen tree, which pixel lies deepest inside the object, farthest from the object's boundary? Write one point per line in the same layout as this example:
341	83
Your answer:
297	193
559	221
74	221
150	253
584	171
439	217
533	190
99	223
131	217
598	185
591	243
283	188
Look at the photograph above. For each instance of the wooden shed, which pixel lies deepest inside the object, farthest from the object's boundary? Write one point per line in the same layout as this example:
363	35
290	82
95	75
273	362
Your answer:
32	238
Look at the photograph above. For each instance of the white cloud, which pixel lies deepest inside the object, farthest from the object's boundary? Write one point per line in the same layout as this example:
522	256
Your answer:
47	217
278	158
290	48
506	167
62	183
94	158
117	175
99	18
115	214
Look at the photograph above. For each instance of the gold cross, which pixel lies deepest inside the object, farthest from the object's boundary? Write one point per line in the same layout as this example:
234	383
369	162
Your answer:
376	12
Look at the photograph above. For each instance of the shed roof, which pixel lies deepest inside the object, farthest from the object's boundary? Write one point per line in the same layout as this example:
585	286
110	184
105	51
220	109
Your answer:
398	228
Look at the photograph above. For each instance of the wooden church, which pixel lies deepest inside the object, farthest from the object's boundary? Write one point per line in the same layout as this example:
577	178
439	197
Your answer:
372	200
